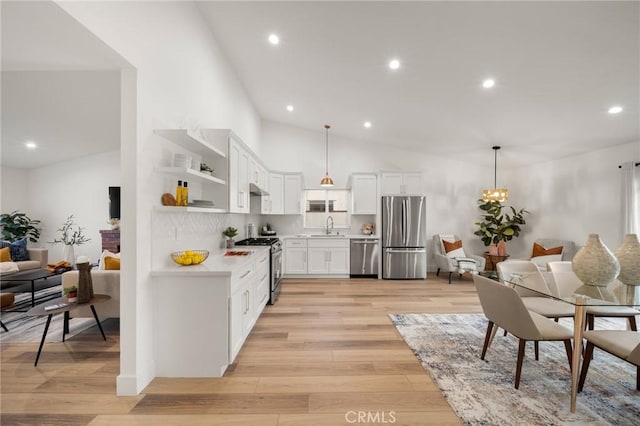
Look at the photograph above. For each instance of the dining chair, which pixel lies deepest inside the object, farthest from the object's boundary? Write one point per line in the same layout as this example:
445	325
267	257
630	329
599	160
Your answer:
621	343
528	274
568	282
504	307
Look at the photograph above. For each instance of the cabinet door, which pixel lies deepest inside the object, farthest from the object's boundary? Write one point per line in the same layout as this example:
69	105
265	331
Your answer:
236	313
339	260
392	183
276	188
238	179
413	184
292	194
295	260
261	293
318	260
253	172
364	194
249	316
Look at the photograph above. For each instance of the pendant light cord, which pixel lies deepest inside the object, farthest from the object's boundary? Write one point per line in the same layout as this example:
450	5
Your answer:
495	166
326	152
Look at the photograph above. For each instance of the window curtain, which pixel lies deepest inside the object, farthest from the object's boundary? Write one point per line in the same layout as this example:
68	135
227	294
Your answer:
630	198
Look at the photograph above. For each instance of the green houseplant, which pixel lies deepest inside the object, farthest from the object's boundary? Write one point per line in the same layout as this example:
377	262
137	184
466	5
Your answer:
497	227
71	293
17	225
230	232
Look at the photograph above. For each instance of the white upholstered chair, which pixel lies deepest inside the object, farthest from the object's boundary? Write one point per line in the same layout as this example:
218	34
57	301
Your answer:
623	344
568	282
504	308
457	260
530	276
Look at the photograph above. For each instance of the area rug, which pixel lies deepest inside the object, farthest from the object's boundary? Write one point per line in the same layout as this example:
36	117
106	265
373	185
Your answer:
25	329
482	392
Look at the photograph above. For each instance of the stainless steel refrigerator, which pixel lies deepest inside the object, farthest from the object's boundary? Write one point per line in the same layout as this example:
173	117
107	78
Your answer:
404	239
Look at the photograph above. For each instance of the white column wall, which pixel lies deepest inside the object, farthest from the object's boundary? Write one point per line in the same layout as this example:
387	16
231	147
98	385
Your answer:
15	187
183	80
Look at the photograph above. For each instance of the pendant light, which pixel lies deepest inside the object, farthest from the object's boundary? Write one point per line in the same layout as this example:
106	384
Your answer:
495	194
326	180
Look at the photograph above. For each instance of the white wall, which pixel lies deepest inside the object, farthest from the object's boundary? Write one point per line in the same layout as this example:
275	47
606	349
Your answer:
183	80
572	197
451	186
15	187
78	187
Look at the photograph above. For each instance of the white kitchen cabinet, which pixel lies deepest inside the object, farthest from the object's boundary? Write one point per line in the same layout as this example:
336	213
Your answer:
364	189
274	202
261	283
238	178
292	193
328	256
401	183
295	256
206	146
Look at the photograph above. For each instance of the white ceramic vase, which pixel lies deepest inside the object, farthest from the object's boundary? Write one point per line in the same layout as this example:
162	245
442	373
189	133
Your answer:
628	256
594	263
68	254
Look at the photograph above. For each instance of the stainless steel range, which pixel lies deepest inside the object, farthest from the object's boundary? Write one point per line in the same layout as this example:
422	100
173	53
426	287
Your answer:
275	264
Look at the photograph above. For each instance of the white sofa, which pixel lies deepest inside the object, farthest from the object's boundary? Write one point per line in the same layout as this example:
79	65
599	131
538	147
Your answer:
104	282
38	259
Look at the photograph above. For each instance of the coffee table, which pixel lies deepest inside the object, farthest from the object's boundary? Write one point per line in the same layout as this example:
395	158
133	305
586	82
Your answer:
64	307
50	279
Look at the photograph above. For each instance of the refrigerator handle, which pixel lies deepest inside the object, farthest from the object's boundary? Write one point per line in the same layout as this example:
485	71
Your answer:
390	250
404	222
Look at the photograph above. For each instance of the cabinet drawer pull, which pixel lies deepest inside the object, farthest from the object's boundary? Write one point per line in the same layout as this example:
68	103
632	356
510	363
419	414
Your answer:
245	274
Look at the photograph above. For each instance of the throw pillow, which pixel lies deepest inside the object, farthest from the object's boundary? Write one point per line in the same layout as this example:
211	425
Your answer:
5	255
18	250
7	267
106	253
453	249
538	250
111	263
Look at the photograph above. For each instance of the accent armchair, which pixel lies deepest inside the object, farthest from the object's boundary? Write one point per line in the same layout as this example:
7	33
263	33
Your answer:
455	259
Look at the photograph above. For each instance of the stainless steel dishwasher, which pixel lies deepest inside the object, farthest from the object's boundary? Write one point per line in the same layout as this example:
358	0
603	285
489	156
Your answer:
364	258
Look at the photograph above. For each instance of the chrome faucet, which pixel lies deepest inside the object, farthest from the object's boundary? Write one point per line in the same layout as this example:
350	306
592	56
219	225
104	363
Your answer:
329	230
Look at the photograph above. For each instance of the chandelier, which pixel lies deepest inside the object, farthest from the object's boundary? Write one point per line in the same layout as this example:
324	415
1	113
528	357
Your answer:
495	194
326	180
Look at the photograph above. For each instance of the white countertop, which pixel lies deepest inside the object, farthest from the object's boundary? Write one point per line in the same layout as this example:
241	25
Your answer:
217	264
346	236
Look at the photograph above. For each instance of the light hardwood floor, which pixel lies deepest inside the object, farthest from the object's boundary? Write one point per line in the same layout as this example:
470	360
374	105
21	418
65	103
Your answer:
324	354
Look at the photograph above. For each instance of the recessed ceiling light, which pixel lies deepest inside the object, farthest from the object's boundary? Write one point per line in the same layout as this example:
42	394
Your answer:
615	109
274	39
394	64
30	145
367	124
290	108
488	83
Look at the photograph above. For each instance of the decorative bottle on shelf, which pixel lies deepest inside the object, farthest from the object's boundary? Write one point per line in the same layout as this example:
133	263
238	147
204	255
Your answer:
594	263
185	194
179	193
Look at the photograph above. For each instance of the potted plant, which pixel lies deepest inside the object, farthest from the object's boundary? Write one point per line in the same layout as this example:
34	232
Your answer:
70	237
230	232
497	228
205	169
71	293
17	225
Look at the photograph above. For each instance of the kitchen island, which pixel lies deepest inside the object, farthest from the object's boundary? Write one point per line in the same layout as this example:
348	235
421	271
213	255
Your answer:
205	312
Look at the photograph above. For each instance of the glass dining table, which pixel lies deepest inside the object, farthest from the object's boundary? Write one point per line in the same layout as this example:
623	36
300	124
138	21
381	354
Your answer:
582	297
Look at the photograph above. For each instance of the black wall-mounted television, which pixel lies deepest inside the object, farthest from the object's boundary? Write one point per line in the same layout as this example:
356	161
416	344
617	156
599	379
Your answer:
114	202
